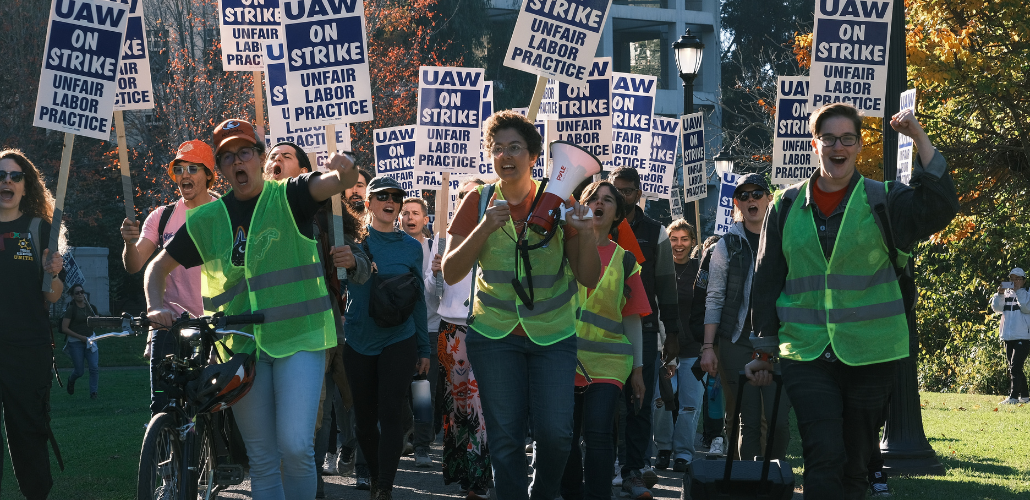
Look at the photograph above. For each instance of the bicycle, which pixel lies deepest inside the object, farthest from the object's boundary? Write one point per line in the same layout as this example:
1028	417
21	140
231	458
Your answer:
185	448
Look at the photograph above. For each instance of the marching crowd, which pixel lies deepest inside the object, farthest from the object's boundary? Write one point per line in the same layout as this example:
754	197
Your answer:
607	348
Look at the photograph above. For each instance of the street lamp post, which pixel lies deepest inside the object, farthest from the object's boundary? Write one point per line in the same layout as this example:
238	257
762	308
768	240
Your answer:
689	51
723	162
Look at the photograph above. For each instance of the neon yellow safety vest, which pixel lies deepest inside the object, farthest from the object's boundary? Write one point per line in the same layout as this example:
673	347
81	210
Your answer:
497	308
853	302
282	276
603	348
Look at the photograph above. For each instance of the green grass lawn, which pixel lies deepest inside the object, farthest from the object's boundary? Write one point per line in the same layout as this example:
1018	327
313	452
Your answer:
985	448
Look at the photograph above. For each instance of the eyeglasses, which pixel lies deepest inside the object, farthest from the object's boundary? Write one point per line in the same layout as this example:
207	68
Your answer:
244	154
385	195
80	292
192	169
15	176
512	150
627	192
829	140
755	194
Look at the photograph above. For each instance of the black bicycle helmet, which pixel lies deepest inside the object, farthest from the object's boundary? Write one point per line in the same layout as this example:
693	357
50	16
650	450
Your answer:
221	386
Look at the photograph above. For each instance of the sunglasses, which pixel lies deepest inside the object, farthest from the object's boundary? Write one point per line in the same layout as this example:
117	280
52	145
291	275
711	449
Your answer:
15	176
80	292
829	140
755	194
192	169
384	195
244	154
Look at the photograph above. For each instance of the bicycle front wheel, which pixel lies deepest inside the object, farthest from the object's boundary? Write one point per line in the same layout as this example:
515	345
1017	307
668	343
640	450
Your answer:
160	461
203	462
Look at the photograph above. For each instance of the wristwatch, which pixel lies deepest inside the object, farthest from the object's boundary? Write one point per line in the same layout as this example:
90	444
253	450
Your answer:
764	356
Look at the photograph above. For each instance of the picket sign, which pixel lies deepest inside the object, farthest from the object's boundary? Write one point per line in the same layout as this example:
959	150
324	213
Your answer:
337	229
62	189
123	164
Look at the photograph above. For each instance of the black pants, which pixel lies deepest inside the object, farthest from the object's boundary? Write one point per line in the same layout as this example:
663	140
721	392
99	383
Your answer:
25	402
637	433
163	344
839	410
1016	352
379	386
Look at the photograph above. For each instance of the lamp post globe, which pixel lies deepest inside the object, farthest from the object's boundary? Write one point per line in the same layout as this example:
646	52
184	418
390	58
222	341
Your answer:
723	162
689	52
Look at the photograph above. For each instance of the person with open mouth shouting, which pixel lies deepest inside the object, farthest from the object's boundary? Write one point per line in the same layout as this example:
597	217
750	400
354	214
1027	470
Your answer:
727	348
836	308
523	351
610	350
26	345
379	358
256	253
192	170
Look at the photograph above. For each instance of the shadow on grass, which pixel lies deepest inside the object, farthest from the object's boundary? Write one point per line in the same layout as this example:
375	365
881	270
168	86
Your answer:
940	488
983	465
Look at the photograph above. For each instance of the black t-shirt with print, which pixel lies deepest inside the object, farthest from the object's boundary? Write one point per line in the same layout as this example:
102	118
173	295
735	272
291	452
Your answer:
77	318
182	248
23	310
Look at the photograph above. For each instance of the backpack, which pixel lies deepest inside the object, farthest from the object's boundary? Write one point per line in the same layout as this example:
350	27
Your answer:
166	214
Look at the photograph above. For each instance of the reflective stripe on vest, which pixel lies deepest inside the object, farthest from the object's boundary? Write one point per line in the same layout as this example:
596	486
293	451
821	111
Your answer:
604	350
281	278
498	310
852	302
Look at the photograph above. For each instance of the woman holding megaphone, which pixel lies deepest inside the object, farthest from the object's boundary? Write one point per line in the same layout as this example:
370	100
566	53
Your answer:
521	339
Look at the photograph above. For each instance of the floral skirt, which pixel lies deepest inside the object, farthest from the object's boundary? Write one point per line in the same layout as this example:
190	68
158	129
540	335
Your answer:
465	457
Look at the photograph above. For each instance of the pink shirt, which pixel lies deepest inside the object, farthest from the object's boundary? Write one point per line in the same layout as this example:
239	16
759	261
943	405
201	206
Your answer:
182	288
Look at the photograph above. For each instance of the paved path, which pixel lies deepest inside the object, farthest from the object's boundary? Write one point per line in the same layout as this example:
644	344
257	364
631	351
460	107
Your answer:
413	483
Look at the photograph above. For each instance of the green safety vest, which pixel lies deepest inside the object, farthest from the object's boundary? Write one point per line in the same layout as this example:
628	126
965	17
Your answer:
853	302
282	276
603	348
498	310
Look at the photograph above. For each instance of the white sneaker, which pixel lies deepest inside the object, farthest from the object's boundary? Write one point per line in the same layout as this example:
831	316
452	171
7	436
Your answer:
617	480
717	447
330	467
1024	400
1009	401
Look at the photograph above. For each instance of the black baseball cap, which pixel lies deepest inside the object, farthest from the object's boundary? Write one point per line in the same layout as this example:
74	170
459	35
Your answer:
382	183
756	179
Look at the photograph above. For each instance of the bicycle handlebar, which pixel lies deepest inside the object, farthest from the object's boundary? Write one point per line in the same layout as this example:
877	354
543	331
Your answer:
106	322
132	325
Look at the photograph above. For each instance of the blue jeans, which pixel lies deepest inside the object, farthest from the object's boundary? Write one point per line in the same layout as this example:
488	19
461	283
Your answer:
516	377
690	392
78	352
277	421
839	411
594	417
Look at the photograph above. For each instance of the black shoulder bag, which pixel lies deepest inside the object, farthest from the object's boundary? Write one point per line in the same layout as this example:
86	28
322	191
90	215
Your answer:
392	299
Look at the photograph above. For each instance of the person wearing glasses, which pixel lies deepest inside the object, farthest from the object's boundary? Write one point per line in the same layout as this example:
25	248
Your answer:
727	348
524	356
26	345
77	345
379	360
256	253
192	170
834	311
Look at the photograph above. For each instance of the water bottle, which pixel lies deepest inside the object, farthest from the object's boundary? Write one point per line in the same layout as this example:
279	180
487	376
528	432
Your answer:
422	403
715	404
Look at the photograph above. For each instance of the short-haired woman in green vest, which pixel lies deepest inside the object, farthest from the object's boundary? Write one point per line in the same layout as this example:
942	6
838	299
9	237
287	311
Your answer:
831	306
257	254
611	350
524	358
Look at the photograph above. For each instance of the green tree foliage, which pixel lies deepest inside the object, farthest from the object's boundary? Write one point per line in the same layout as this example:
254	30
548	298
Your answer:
969	61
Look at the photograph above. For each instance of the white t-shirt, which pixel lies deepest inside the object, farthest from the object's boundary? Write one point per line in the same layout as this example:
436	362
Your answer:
432	301
182	288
